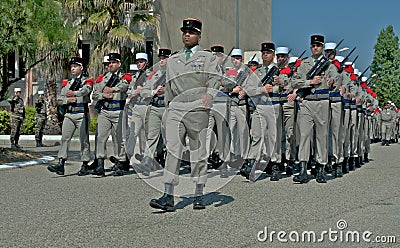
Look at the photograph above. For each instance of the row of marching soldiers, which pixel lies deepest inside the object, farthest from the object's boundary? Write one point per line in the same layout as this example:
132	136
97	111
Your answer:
288	122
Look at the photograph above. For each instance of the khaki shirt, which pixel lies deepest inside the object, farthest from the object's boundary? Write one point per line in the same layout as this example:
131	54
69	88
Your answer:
119	90
155	79
187	81
17	106
82	93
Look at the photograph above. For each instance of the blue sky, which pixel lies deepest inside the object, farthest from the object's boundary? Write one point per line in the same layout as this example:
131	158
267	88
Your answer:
358	22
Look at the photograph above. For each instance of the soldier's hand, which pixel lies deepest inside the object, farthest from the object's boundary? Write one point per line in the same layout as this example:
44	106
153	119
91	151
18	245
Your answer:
108	90
316	80
349	95
291	97
329	82
138	89
267	88
71	99
108	95
159	90
236	90
358	100
242	94
277	80
206	100
70	93
342	90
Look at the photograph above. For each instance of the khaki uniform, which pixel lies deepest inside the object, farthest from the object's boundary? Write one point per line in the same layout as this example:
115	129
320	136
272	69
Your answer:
111	116
76	117
313	112
137	114
387	118
187	82
155	111
40	118
264	119
17	118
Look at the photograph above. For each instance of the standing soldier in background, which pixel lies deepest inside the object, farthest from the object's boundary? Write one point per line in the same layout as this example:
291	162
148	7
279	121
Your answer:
190	75
40	118
153	92
388	119
74	99
17	117
110	94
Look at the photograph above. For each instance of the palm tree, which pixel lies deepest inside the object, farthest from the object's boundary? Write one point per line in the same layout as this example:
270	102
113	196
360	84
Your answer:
115	25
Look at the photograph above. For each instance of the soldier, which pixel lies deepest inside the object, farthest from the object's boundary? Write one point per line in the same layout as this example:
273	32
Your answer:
17	117
139	109
110	94
153	92
40	118
240	116
190	75
314	109
74	99
387	118
263	124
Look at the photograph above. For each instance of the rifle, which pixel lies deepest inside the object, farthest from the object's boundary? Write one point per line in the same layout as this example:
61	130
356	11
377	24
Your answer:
274	71
292	66
226	58
65	108
362	74
243	74
321	65
112	82
345	59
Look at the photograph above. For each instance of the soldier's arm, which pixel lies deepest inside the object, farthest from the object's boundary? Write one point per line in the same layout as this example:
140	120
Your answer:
61	98
299	77
86	88
123	84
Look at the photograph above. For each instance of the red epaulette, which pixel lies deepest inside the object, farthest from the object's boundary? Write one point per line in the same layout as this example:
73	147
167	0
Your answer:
336	63
99	78
298	63
127	77
152	74
286	71
353	77
89	81
231	72
349	69
64	83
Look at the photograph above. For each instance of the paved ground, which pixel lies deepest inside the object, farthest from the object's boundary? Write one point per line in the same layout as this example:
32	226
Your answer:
41	209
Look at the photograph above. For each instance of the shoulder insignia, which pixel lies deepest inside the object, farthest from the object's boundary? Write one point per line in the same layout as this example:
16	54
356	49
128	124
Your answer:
64	83
127	77
286	71
99	78
152	74
336	63
231	72
89	81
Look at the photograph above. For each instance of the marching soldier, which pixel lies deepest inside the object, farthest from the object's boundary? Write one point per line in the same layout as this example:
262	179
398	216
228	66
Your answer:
139	109
190	75
40	118
153	92
17	117
314	109
263	123
240	116
110	94
74	99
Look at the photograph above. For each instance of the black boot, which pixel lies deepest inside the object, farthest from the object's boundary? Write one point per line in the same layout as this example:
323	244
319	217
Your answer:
366	159
383	142
38	143
275	173
93	165
339	172
320	178
13	144
351	163
247	166
302	177
357	162
289	168
345	165
361	161
59	168
387	143
84	169
99	170
165	202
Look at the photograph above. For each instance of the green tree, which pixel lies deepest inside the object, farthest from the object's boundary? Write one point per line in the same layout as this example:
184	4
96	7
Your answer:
386	64
115	26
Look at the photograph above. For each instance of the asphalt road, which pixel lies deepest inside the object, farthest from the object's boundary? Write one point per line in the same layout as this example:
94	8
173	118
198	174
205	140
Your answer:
42	209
